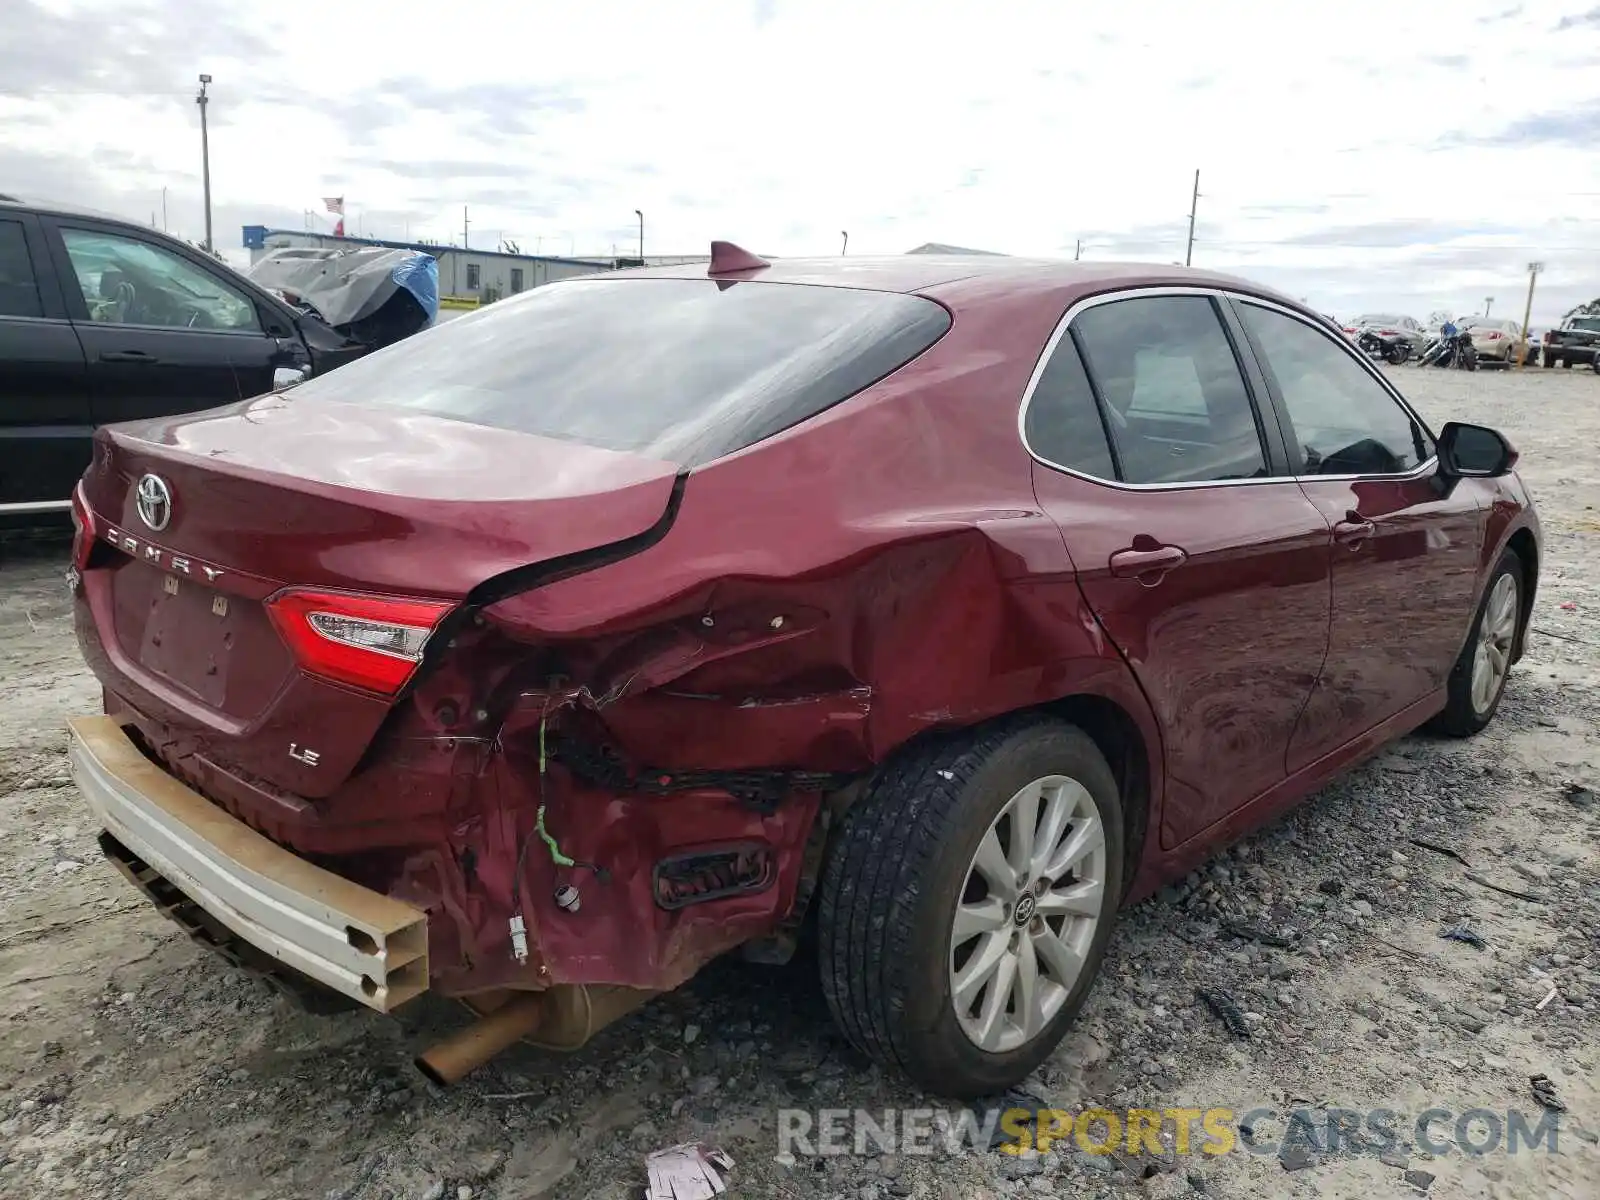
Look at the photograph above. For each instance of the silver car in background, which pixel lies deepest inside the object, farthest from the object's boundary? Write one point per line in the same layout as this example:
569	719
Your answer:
1496	339
1389	325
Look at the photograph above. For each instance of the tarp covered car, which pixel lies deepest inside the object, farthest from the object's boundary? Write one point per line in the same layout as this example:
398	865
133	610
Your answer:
372	295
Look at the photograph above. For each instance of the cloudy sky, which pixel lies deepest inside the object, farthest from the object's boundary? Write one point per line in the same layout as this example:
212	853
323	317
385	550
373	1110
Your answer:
1362	155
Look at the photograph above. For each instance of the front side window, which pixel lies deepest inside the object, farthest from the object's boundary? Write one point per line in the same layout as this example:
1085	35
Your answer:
1173	396
128	282
1345	422
19	289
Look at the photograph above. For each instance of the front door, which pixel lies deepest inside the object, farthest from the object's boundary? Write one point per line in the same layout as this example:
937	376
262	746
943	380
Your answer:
45	427
1200	556
1405	555
163	332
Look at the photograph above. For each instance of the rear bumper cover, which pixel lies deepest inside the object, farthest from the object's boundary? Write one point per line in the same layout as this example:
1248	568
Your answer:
352	940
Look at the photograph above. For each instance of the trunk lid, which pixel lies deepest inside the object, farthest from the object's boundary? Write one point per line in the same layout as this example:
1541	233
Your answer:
273	494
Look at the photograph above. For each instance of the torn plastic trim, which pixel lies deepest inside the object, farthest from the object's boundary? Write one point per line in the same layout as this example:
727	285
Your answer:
762	789
699	876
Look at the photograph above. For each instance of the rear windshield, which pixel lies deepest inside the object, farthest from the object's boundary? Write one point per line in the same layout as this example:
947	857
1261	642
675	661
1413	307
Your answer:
684	370
1379	319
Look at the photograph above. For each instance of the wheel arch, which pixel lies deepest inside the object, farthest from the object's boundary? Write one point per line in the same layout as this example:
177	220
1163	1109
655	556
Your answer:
1118	736
1523	544
1116	733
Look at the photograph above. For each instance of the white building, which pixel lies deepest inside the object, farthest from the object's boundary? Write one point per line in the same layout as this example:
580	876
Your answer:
466	277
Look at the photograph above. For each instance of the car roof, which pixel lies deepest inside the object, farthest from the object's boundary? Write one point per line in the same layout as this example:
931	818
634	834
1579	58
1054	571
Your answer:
57	208
955	277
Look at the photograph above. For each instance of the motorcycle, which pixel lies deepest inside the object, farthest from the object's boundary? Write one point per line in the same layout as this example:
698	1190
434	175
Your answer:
1389	345
1456	350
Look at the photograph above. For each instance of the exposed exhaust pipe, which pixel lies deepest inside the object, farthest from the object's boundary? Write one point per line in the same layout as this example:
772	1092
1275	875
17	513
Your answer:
561	1018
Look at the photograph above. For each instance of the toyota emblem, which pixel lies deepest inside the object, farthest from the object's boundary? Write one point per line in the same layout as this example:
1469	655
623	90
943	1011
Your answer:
154	502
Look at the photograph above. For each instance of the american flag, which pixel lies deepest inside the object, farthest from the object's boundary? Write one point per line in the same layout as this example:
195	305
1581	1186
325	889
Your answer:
335	204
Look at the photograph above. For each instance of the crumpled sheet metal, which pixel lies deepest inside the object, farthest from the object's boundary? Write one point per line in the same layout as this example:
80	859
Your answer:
343	286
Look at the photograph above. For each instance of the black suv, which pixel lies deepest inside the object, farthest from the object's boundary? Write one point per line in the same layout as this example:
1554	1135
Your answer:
102	320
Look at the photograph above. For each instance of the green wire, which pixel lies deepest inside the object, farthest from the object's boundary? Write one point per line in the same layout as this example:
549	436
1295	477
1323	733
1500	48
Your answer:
556	856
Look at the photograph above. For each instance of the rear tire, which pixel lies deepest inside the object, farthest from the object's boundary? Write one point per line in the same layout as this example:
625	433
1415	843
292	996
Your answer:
1473	699
963	984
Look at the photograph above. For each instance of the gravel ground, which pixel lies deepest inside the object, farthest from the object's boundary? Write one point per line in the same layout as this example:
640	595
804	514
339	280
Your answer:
133	1065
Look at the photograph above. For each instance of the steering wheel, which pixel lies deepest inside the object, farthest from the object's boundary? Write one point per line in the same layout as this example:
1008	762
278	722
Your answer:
124	297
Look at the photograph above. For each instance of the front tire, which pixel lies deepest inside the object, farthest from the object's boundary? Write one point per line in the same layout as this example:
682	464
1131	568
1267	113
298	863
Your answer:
967	901
1478	680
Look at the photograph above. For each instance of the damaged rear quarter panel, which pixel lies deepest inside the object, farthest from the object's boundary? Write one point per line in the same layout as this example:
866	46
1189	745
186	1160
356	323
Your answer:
831	592
820	599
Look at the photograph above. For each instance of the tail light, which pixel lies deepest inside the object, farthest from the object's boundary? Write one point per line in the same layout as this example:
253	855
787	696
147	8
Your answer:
369	642
1494	335
83	530
1388	333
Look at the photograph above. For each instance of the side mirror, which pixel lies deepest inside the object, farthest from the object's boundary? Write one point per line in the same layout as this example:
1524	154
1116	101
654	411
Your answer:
287	377
1474	452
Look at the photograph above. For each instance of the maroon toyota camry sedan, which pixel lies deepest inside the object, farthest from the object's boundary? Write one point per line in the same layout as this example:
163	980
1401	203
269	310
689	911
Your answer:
949	603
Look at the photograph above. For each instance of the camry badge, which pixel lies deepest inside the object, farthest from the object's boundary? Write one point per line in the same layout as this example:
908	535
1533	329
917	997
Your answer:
153	499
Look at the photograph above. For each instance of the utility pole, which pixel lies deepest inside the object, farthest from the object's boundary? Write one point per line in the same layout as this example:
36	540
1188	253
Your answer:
1194	203
845	248
163	210
205	155
1527	315
1487	301
640	215
1078	253
465	225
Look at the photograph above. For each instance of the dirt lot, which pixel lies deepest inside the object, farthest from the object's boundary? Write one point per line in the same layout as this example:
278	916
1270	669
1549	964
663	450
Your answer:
133	1065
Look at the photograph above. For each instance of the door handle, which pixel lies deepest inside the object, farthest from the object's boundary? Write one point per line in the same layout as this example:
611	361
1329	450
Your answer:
1144	562
129	356
1353	530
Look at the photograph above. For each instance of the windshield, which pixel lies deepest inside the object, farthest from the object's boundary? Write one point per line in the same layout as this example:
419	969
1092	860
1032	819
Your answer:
683	370
1591	324
1379	319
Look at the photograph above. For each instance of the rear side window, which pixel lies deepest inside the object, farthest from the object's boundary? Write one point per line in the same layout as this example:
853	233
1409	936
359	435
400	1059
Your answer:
19	290
683	370
1174	399
1063	424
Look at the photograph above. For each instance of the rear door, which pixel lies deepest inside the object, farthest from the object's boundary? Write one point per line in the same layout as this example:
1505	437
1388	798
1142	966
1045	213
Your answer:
163	330
45	426
1201	557
1405	553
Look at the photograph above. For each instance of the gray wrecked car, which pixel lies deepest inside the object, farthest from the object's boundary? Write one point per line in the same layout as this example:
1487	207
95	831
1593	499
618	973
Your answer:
372	295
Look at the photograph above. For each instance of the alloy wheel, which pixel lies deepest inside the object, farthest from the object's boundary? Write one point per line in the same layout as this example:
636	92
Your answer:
1495	634
1027	915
